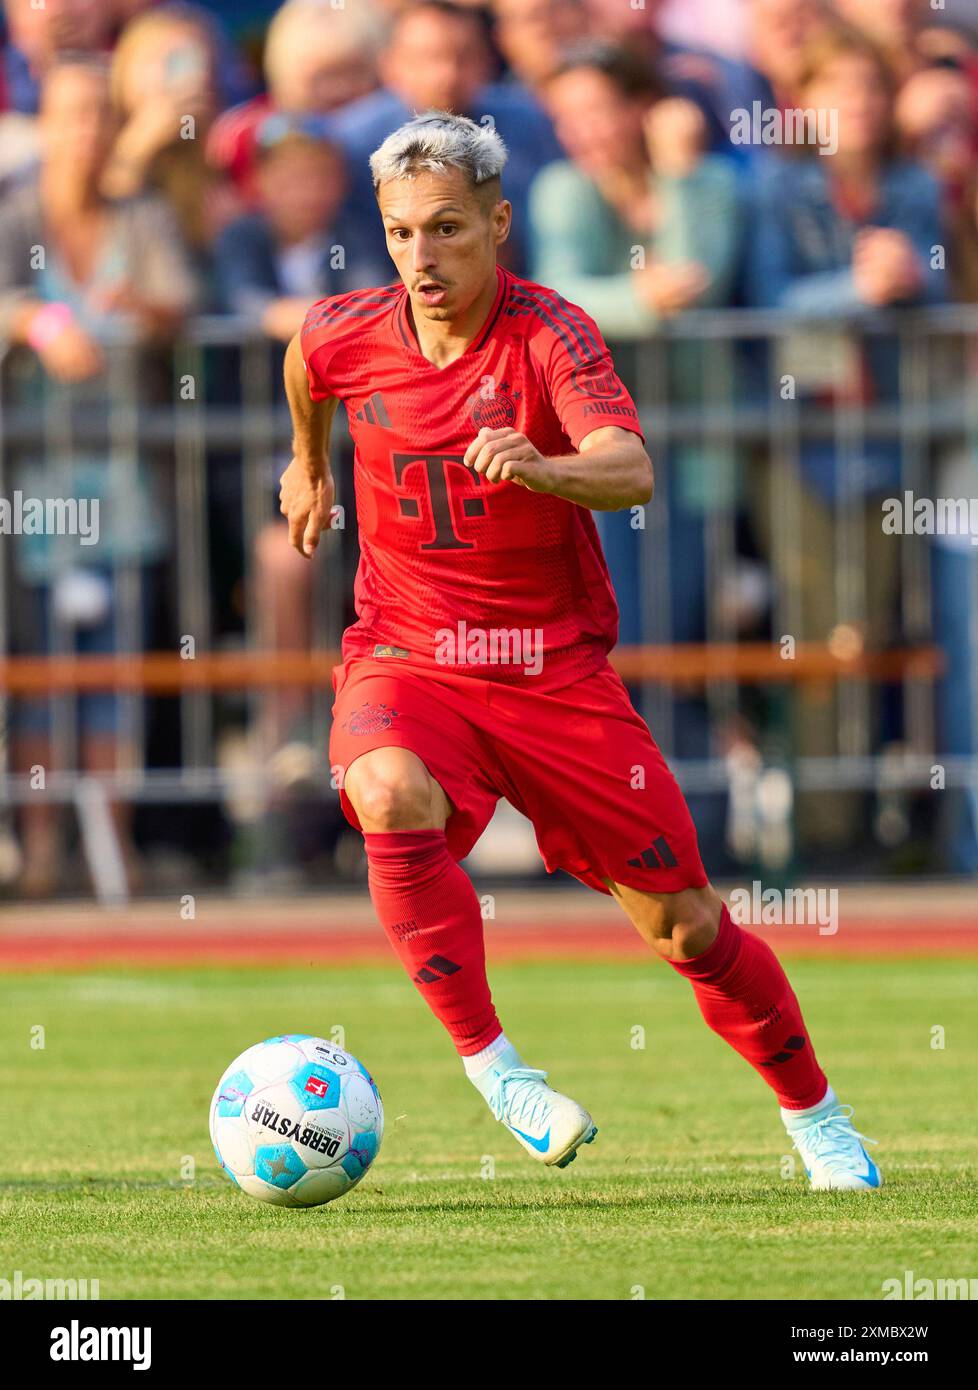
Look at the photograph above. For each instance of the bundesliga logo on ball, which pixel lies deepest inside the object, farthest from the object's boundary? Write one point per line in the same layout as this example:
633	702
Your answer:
296	1122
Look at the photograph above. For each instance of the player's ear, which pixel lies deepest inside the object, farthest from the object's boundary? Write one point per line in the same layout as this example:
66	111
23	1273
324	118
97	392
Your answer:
502	219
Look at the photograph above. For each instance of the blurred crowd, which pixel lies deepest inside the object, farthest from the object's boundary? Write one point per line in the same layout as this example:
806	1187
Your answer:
171	159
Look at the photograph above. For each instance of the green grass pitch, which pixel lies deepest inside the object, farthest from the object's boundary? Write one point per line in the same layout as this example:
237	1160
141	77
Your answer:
684	1194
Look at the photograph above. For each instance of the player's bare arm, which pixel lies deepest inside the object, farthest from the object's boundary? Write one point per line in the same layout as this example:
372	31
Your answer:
307	489
612	470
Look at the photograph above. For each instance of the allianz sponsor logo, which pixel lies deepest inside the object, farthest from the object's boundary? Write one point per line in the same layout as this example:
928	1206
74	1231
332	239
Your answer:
931	516
493	646
920	1289
793	125
25	1288
50	516
788	907
80	1343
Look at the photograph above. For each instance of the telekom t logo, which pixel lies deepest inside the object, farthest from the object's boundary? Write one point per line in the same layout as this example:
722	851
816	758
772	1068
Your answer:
432	482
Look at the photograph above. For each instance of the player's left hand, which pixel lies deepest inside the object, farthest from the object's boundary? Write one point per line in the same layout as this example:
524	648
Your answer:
505	456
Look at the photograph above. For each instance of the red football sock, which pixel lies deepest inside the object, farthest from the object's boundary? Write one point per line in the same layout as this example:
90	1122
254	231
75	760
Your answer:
430	912
744	995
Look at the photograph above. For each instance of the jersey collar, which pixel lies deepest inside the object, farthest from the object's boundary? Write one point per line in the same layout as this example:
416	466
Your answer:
405	332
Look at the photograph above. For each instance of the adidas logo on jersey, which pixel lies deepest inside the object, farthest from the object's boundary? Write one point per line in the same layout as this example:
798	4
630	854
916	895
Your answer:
374	412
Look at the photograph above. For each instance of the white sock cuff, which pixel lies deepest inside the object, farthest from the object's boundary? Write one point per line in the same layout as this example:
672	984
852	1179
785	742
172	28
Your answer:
478	1061
828	1102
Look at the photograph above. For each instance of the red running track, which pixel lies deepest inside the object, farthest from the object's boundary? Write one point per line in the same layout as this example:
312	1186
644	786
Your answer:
43	943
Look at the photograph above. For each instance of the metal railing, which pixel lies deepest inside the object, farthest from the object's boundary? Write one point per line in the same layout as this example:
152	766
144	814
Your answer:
732	409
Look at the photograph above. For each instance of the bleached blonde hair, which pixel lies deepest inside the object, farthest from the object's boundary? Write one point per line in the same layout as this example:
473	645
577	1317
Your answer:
436	142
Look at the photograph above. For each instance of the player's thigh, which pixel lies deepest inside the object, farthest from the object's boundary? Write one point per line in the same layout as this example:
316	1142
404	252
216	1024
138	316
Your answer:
406	751
603	802
391	789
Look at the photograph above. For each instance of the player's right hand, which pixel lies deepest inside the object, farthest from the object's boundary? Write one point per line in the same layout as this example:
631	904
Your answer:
306	501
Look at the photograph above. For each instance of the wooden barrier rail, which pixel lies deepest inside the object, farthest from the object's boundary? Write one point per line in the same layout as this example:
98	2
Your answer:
167	673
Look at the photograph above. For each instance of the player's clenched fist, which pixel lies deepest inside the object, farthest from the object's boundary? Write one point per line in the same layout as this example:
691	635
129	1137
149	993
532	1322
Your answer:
307	501
505	456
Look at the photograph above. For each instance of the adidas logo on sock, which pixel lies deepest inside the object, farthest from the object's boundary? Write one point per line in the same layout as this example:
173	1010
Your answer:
790	1048
436	968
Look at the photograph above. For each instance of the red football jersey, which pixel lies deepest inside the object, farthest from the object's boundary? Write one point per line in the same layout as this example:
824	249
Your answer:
487	578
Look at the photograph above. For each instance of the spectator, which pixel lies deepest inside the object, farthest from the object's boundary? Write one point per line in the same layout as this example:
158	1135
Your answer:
164	88
317	59
104	262
439	56
691	71
937	124
720	24
532	35
893	25
836	237
37	34
849	231
780	33
637	26
236	75
909	35
19	144
300	246
638	178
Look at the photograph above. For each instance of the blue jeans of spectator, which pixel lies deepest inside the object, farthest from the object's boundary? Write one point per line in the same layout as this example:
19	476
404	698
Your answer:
98	712
955	576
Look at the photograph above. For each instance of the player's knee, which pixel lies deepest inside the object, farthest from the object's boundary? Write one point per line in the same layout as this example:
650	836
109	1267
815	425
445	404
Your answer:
690	920
394	794
387	805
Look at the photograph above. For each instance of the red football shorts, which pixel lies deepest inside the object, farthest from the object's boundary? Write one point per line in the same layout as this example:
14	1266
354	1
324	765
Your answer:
578	762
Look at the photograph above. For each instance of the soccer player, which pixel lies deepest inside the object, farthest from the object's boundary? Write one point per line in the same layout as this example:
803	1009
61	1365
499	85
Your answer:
489	423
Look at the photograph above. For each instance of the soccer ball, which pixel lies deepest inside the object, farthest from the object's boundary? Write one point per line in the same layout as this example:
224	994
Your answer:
295	1121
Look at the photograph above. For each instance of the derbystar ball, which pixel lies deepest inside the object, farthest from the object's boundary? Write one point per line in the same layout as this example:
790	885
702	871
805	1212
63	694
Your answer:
296	1121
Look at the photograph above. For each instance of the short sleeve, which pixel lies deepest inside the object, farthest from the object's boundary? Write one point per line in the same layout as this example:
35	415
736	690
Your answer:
586	391
318	350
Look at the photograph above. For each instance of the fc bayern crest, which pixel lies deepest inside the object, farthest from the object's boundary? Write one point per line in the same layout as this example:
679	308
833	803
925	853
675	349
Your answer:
493	408
370	719
594	379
